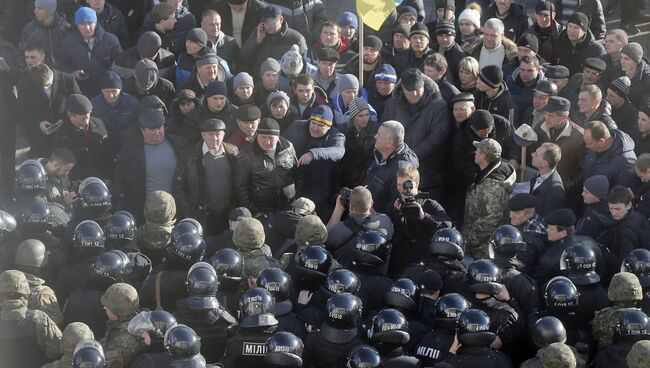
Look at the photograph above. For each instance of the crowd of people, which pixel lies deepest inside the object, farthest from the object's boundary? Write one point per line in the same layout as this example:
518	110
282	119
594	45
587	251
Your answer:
247	183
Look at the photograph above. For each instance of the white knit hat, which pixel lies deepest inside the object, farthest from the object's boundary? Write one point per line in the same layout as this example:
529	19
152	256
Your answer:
472	16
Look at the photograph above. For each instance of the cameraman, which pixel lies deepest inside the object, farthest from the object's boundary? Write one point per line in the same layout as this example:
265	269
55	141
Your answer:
415	218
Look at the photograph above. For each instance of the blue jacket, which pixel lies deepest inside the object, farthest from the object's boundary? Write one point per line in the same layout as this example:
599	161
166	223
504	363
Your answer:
120	119
339	108
617	163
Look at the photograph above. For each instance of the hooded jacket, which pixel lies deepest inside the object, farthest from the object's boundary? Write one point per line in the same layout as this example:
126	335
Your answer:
426	127
616	163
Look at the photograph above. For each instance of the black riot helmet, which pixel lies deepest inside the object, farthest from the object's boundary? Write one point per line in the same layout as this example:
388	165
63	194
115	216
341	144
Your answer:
88	354
119	229
363	356
88	239
578	262
548	330
447	242
94	195
484	277
202	280
284	349
343	313
186	250
110	267
371	249
507	241
257	307
7	223
473	328
31	179
278	283
389	326
632	325
561	294
313	263
37	218
182	342
447	309
187	225
638	263
341	281
155	323
404	294
228	264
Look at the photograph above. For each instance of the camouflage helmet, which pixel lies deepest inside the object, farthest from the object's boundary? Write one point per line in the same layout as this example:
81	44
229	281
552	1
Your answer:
624	287
122	299
249	234
160	209
310	231
73	334
30	253
639	355
557	355
13	283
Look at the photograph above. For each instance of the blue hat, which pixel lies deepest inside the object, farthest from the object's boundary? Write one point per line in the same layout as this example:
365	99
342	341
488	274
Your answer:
323	114
110	79
348	19
215	88
386	73
85	15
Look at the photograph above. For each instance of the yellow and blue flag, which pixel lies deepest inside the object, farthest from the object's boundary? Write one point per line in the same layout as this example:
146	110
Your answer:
375	12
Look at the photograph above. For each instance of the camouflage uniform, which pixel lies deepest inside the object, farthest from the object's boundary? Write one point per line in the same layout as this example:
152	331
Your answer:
249	239
311	231
639	356
72	335
155	235
624	291
536	361
557	355
120	347
48	336
484	208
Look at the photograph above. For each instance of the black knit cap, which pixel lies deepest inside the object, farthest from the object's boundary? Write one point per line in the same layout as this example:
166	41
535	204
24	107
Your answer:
431	280
412	79
481	119
530	41
561	217
419	28
522	201
492	75
579	19
404	29
446	28
373	41
78	104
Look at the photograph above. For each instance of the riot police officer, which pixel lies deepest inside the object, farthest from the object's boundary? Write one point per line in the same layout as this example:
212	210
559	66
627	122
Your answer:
93	201
308	271
632	326
151	328
88	354
404	295
283	349
9	239
228	264
638	263
388	333
278	283
120	230
363	356
578	263
201	310
184	347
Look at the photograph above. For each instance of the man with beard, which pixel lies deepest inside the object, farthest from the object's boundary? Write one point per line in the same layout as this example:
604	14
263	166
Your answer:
400	42
371	61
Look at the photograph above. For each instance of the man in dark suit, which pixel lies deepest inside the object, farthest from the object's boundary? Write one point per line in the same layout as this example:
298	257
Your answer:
547	186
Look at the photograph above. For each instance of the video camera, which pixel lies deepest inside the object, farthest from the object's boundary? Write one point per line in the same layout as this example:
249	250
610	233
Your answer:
410	208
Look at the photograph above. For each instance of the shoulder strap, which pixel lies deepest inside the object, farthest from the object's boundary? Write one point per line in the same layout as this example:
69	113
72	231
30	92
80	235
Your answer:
158	300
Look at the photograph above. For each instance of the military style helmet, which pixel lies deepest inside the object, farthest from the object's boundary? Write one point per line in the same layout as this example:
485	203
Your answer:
278	283
156	323
13	285
447	309
633	325
372	248
363	356
182	342
561	293
284	349
473	328
37	218
507	240
403	294
187	249
343	313
257	307
447	242
31	255
484	277
314	262
624	288
187	225
579	263
122	299
94	195
31	179
638	263
119	229
341	281
73	334
110	267
88	354
389	326
202	280
228	264
548	330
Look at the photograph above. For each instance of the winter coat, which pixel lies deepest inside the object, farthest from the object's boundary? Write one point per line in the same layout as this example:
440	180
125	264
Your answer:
603	113
593	9
185	21
510	47
251	17
642	200
521	94
192	124
317	177
594	220
623	236
49	37
407	59
305	16
485	204
616	163
124	65
74	54
121	119
266	184
453	56
573	150
563	52
129	181
544	34
112	20
90	149
640	86
188	187
318	98
516	22
501	104
426	127
359	146
273	46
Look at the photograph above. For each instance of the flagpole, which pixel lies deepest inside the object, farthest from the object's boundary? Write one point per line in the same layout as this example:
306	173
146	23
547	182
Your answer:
360	50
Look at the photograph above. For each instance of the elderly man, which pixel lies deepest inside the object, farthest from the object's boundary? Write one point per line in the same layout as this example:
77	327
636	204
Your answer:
610	152
522	215
248	118
486	198
208	69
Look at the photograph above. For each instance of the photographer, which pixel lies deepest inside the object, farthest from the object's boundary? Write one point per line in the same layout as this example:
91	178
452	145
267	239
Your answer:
416	218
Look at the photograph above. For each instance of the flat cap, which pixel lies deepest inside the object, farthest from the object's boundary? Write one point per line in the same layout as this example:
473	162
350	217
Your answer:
561	217
522	201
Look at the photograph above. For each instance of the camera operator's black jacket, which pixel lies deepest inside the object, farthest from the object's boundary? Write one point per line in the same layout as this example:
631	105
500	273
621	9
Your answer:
412	236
